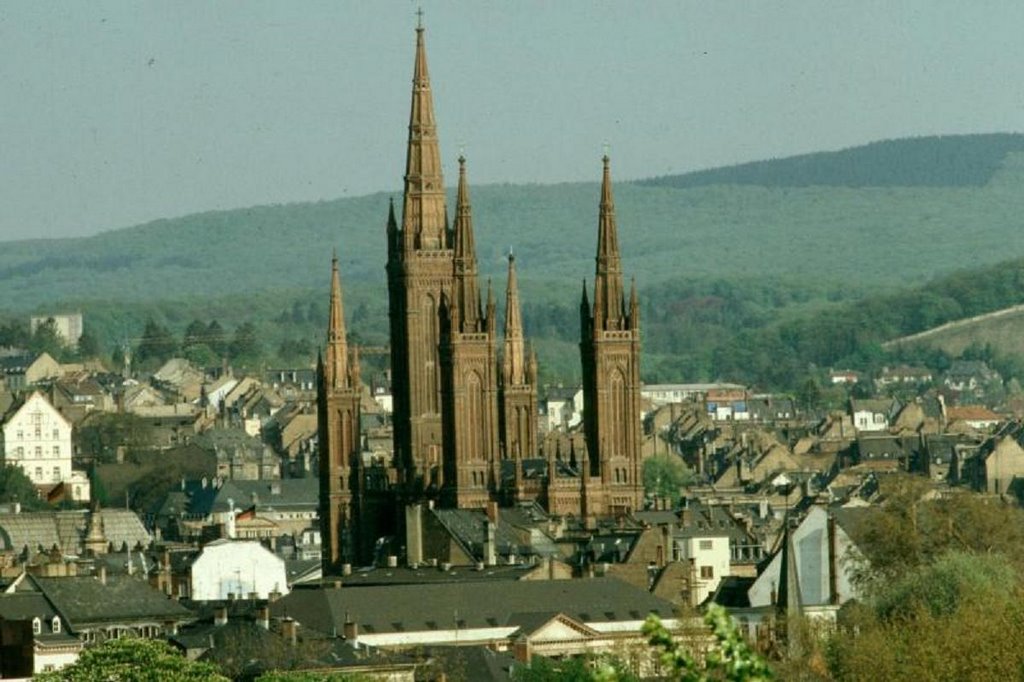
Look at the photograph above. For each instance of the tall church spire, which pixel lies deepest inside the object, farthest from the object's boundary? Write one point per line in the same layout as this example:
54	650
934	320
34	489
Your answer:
336	368
608	293
465	293
515	351
423	213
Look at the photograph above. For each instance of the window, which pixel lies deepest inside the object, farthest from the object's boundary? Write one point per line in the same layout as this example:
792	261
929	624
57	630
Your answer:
39	473
21	434
707	572
706	544
55	624
39	431
56	451
39	451
37	626
20	451
56	474
56	433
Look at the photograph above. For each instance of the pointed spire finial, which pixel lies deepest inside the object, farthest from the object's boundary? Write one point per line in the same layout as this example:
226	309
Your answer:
419	18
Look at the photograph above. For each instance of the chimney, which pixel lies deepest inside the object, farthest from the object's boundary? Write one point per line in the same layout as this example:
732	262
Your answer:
523	650
392	561
346	569
414	534
273	596
220	615
101	573
833	579
490	543
263	617
492	511
290	630
350	630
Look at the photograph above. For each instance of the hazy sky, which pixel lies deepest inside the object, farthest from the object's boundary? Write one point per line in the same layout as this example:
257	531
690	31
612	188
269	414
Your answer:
115	113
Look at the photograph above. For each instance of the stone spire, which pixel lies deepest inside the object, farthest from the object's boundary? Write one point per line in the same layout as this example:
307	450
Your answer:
465	293
336	366
514	369
424	221
608	293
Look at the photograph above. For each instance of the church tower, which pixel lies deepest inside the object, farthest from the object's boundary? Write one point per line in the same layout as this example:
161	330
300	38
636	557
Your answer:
610	354
518	387
338	396
469	389
419	270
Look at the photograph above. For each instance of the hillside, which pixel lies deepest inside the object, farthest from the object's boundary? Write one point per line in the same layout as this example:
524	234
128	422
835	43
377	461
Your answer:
716	263
1001	330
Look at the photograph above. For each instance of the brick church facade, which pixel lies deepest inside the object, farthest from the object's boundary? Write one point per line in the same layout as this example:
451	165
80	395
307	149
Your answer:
465	397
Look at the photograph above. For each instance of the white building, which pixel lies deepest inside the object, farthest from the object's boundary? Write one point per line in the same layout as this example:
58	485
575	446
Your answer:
37	438
239	568
68	327
710	556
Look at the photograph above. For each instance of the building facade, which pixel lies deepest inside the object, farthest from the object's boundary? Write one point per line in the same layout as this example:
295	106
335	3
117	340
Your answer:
464	399
37	438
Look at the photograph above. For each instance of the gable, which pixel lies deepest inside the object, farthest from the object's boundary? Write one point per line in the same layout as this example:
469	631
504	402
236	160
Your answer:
558	629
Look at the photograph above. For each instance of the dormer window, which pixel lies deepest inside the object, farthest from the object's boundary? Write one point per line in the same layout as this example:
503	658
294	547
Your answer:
37	626
55	624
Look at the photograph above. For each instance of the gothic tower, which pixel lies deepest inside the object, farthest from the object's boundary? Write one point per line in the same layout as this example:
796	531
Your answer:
338	394
610	354
469	390
518	387
419	270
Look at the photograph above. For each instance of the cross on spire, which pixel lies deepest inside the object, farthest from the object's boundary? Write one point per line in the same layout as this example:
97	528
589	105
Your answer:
419	18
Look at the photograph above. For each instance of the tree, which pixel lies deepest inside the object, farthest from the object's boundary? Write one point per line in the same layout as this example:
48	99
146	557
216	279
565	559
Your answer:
140	660
157	344
88	346
216	339
665	475
15	486
46	339
195	334
732	659
245	345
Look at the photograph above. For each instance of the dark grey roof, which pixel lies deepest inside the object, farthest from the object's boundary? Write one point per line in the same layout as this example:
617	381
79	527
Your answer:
477	663
467	526
25	606
83	601
411	608
428	574
733	592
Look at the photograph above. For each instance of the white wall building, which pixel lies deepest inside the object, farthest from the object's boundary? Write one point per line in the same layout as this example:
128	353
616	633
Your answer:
238	568
68	327
711	558
37	438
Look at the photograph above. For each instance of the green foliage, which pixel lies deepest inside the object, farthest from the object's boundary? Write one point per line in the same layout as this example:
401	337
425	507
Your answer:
139	660
665	475
46	339
310	676
245	346
573	669
15	486
732	659
156	346
102	434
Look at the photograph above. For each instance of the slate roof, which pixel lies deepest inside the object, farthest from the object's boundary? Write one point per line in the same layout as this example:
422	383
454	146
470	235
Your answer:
733	592
467	527
85	601
409	608
477	663
66	530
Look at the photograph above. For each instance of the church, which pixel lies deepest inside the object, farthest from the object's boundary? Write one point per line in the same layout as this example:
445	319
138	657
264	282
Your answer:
465	395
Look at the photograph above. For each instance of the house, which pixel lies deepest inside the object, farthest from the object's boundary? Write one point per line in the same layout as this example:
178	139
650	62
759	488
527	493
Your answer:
969	375
98	608
995	466
811	573
841	377
727	404
872	414
37	438
31	626
27	369
974	416
179	378
665	394
31	533
233	569
302	379
68	326
903	375
561	408
548	617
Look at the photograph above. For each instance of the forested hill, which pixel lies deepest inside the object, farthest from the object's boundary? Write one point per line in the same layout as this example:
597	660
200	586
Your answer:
946	161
